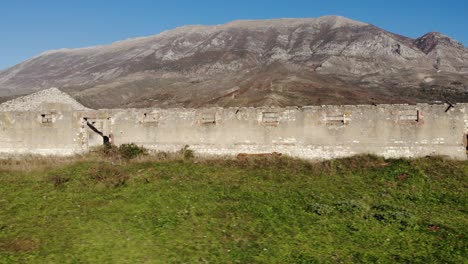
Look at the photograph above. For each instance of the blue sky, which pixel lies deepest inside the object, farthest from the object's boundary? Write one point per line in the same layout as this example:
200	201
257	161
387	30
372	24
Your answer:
29	27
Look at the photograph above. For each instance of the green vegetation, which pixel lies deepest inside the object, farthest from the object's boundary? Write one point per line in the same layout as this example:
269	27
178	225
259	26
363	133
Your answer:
181	209
124	151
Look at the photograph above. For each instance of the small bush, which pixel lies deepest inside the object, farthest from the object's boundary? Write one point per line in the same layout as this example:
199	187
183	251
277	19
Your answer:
161	155
131	151
124	151
187	153
58	181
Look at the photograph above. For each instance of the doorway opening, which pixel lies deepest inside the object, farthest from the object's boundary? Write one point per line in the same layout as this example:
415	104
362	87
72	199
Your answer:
465	140
98	126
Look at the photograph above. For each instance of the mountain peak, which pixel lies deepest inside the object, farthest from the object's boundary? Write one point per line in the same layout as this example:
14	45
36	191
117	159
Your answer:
431	40
249	24
336	21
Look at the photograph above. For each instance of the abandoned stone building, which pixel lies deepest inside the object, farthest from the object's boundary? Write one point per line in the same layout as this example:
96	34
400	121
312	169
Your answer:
52	123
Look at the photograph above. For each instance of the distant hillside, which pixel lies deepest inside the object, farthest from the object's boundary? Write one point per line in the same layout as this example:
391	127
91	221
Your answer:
326	60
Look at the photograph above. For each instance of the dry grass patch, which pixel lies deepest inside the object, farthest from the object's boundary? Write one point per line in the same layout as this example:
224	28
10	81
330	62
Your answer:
20	245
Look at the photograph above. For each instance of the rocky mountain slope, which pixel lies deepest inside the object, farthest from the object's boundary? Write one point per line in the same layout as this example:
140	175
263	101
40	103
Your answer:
326	60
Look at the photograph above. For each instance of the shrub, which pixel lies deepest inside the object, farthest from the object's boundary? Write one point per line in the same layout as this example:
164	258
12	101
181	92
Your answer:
131	151
187	153
124	151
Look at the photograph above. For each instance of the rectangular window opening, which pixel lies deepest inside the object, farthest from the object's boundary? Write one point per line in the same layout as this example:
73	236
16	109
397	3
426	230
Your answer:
47	118
411	116
150	118
208	118
336	119
270	118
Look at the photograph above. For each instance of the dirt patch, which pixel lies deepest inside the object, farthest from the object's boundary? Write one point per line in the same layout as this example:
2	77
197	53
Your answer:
20	245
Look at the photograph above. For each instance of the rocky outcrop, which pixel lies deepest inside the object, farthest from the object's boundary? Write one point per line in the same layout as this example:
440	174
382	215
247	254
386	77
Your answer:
432	40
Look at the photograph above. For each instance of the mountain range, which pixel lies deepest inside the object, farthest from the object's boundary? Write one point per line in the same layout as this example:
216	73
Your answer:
279	62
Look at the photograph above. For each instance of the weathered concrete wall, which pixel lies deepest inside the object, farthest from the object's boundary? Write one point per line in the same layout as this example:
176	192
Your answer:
308	132
317	132
45	132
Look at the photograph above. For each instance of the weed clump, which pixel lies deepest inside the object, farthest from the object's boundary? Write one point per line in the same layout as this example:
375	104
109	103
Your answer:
58	180
186	153
303	258
344	207
350	206
320	209
389	215
109	174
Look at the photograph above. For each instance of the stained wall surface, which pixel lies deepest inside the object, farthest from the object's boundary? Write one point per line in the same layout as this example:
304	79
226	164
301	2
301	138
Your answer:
316	132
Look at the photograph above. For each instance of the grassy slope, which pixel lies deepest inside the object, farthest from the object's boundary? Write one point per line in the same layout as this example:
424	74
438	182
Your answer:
362	209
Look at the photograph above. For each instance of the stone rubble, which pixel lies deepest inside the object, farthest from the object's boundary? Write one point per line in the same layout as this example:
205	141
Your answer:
34	101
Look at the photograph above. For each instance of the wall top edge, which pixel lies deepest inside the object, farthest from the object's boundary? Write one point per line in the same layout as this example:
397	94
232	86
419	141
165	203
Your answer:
275	107
253	108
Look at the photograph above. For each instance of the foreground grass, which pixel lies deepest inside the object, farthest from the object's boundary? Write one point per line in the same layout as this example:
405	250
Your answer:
356	210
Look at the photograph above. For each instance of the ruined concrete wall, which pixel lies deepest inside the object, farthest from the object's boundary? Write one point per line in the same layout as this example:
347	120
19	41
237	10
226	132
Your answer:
307	132
318	132
43	133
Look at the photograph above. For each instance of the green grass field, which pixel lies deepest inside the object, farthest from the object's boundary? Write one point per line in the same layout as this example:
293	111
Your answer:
151	210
